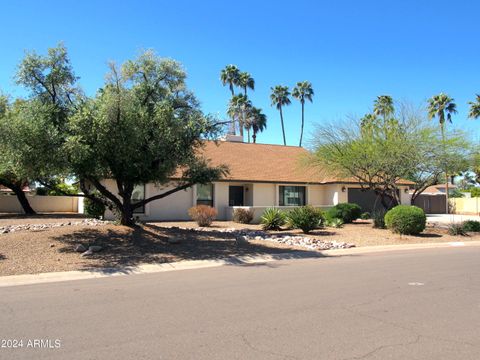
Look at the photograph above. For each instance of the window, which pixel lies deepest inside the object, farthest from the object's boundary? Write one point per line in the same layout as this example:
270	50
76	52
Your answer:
138	194
292	196
205	194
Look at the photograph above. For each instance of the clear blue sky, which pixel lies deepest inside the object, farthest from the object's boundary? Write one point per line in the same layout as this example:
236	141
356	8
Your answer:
351	51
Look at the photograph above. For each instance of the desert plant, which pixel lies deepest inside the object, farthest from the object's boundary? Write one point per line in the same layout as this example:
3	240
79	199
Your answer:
378	219
272	219
334	223
306	218
94	209
406	220
456	229
203	214
346	211
243	216
365	216
471	225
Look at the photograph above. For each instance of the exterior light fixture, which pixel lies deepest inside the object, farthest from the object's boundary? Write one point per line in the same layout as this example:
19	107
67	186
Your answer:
344	189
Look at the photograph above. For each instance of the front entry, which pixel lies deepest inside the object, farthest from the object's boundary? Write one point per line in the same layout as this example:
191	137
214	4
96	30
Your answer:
235	196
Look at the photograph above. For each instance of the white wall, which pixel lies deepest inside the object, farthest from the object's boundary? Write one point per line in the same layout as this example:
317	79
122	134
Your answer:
264	194
10	204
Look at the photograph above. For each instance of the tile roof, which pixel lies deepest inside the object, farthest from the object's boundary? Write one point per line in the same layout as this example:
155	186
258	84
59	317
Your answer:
265	163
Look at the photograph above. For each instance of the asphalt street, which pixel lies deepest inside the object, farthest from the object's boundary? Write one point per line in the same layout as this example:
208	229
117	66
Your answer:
422	304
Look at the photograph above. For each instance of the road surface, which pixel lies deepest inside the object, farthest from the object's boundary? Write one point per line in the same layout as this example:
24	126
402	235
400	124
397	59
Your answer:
407	305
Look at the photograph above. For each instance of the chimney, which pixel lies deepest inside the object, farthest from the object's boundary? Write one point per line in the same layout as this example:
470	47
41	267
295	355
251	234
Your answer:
232	138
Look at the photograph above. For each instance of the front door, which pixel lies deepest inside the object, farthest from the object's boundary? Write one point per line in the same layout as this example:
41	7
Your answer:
235	196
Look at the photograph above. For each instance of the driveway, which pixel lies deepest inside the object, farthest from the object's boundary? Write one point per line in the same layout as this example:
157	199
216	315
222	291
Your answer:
403	305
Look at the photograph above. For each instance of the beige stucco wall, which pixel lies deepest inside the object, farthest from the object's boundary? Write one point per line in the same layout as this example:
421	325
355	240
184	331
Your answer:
264	194
10	204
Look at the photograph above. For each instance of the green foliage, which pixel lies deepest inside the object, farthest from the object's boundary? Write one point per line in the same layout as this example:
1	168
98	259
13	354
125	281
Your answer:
475	192
60	189
406	220
306	218
94	209
345	211
334	223
378	219
365	216
202	214
456	229
272	219
243	216
471	226
455	193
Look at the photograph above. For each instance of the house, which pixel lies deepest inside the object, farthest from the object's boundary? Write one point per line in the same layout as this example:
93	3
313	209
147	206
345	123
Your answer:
260	176
433	199
6	191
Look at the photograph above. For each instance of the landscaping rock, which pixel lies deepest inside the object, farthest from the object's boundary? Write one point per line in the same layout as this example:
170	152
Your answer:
41	227
80	248
95	248
87	253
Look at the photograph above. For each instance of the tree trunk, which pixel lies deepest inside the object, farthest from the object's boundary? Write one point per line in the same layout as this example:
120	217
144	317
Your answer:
126	215
254	137
22	199
446	166
283	127
301	131
248	132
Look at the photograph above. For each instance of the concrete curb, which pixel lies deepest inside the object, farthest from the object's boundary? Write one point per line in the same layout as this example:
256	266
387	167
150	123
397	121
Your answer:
29	279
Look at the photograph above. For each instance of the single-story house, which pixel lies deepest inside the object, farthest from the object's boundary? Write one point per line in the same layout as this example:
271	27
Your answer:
260	176
433	199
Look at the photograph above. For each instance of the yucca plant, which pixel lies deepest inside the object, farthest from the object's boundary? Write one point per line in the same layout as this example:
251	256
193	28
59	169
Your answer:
272	219
306	218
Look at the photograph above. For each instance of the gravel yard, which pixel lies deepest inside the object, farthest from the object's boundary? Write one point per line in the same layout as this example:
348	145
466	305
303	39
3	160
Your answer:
53	248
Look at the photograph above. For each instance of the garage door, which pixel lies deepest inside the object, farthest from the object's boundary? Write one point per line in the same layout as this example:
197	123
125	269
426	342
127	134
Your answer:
367	199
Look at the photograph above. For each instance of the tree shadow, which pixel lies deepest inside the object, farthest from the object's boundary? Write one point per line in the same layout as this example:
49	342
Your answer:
126	248
2	257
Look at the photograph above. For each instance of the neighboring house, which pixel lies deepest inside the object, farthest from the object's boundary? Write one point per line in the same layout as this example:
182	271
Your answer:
6	191
260	176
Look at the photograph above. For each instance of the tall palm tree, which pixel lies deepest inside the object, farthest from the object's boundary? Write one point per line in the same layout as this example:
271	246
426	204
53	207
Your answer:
230	75
383	106
246	81
303	91
238	107
442	107
280	97
474	108
256	121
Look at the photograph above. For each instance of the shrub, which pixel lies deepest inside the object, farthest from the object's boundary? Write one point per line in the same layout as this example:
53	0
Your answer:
471	225
203	214
406	220
456	229
243	216
272	219
365	216
334	223
347	212
379	219
475	192
93	208
305	218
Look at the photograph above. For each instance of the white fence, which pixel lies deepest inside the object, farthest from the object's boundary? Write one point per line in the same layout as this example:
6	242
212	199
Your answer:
10	204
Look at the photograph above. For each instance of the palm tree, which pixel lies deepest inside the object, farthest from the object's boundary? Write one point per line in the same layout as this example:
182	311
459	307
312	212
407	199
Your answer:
280	97
303	91
256	121
442	107
474	108
230	75
383	106
246	81
237	109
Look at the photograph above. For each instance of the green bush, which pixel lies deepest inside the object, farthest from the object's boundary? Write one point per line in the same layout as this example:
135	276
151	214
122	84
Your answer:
94	209
475	192
456	229
471	225
379	219
306	218
243	216
365	216
272	219
334	223
406	220
347	212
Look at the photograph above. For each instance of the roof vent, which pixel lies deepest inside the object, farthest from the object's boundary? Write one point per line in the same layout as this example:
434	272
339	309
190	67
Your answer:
232	138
